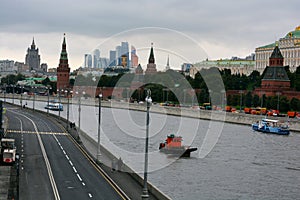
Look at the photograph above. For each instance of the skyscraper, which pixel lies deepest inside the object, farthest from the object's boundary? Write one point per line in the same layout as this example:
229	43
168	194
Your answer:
88	60
151	66
125	53
96	57
63	70
134	57
112	58
32	58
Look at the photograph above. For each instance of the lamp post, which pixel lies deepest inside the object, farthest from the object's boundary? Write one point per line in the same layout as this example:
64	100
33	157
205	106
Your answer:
79	110
68	107
4	94
241	100
13	94
145	194
262	100
99	127
21	95
33	98
48	88
278	93
58	93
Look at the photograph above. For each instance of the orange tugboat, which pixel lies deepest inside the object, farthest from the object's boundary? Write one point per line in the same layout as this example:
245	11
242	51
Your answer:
173	146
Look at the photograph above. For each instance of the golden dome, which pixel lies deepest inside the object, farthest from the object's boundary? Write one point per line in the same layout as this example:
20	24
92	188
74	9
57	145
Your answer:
297	28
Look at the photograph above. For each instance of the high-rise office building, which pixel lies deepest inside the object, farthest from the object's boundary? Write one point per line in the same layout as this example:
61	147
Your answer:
32	58
112	58
118	55
134	57
96	57
125	53
88	60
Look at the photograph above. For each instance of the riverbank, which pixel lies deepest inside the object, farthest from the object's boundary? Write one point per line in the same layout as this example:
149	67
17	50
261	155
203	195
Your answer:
228	117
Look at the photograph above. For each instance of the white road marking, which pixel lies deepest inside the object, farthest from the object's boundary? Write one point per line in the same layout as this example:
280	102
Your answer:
79	177
90	195
74	169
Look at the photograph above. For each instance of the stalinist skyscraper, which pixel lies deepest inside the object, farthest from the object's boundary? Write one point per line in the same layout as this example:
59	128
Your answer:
32	57
151	66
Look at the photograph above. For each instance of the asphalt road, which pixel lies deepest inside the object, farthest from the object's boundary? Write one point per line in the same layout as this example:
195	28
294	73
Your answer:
51	164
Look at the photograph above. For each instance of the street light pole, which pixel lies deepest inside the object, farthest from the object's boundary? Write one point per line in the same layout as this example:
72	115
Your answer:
48	100
68	108
241	92
278	93
58	93
145	194
13	94
79	111
21	96
33	99
99	127
4	95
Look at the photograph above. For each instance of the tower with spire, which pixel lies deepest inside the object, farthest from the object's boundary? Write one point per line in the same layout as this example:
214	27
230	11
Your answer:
151	66
63	70
32	59
168	64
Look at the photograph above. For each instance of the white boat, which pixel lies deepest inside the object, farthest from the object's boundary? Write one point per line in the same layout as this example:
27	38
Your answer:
53	105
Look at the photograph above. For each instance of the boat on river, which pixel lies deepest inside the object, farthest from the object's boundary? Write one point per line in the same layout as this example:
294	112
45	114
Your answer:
54	105
173	146
271	126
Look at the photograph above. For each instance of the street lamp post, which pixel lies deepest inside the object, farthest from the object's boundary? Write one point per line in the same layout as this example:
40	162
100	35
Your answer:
21	95
278	93
58	93
79	110
241	100
145	194
33	99
99	127
68	108
48	88
4	95
262	100
13	94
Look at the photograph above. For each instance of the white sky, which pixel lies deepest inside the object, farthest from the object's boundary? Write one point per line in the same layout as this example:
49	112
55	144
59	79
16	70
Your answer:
187	31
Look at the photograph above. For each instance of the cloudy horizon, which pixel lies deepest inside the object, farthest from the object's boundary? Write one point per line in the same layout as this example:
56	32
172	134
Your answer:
187	31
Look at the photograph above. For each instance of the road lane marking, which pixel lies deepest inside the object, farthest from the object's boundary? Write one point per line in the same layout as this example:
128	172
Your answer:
90	195
74	169
71	163
83	183
79	177
33	132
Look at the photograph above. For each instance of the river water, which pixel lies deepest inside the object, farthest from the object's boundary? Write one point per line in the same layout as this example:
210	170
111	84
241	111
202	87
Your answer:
241	165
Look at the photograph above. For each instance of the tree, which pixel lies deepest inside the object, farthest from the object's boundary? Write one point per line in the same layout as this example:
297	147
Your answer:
248	99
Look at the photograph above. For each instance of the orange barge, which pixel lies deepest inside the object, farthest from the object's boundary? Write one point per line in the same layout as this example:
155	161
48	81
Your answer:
173	146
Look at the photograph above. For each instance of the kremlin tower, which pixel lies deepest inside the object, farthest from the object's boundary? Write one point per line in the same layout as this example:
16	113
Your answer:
151	66
63	70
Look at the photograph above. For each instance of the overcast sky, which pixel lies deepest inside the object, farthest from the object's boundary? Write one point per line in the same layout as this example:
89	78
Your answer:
187	31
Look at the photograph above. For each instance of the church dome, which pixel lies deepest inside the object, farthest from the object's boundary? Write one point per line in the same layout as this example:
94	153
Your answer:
294	34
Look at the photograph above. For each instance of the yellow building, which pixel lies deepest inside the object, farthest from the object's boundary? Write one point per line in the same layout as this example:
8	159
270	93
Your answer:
289	47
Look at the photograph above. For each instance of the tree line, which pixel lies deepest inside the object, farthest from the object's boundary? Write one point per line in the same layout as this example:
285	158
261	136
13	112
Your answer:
171	86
